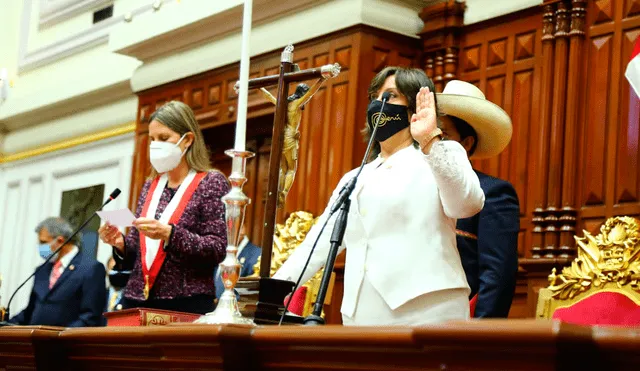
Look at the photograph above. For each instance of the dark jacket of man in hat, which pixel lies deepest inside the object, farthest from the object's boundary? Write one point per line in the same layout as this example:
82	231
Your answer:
488	241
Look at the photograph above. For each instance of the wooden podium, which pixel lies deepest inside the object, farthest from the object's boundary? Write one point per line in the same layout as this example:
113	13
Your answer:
484	345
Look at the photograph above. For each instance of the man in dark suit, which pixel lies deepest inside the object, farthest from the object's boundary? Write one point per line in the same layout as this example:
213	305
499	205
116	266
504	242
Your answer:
248	255
488	241
68	291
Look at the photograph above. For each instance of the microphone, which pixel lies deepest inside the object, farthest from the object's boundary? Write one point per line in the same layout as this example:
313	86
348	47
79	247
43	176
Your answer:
338	231
112	196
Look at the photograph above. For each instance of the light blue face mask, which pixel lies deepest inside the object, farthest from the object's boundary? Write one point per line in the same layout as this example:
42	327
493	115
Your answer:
44	249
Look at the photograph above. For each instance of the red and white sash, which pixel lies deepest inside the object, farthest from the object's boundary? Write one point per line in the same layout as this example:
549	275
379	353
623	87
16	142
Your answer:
152	252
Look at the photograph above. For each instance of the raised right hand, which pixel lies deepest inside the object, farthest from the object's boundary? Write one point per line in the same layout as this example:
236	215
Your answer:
110	234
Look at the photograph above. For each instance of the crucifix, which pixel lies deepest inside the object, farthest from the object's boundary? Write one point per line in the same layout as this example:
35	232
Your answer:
284	137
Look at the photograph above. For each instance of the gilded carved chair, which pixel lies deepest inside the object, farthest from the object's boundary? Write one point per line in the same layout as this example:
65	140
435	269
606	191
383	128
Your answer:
602	284
287	237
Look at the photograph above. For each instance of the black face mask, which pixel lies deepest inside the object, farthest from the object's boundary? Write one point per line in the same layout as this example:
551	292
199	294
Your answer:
118	279
393	119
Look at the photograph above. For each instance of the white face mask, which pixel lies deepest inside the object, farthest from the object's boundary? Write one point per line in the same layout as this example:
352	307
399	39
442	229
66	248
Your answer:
165	156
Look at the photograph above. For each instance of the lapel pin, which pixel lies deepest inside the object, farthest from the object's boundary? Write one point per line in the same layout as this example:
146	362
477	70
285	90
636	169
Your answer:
242	260
72	267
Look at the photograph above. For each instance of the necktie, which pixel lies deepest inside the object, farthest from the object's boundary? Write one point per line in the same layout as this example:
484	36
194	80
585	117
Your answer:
55	273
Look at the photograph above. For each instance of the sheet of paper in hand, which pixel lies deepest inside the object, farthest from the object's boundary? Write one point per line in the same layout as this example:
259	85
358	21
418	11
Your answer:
119	218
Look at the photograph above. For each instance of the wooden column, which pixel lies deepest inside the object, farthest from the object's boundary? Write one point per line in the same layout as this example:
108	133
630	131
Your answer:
554	217
552	236
549	151
443	23
542	151
572	129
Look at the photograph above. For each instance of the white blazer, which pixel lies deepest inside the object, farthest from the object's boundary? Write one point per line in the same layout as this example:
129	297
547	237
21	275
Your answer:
401	226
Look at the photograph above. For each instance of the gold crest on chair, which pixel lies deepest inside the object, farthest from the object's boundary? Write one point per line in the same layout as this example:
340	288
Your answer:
609	262
286	239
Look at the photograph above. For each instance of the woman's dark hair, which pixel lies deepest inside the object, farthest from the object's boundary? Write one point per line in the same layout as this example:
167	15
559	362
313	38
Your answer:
408	82
465	130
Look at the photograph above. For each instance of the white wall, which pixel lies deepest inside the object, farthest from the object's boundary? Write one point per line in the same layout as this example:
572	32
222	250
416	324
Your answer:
64	66
31	191
80	123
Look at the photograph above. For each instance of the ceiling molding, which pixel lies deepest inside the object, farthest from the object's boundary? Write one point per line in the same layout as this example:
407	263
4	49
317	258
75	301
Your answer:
96	98
163	33
96	35
55	11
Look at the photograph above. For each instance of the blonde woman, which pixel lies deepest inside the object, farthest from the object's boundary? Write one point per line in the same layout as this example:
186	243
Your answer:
180	234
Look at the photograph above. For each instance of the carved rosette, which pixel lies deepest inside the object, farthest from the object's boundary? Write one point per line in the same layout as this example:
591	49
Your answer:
610	258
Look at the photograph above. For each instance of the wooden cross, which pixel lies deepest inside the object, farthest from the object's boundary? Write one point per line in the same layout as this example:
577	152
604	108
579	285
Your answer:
286	76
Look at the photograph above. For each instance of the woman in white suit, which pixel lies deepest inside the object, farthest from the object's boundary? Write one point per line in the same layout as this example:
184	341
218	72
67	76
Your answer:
402	265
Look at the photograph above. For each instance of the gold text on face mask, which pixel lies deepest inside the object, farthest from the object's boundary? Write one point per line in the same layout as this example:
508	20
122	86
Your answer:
384	118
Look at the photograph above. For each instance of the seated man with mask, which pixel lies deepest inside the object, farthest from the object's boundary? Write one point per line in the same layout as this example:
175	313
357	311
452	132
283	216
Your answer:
68	291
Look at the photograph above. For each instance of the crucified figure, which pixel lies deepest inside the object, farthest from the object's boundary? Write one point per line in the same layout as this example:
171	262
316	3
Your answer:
289	162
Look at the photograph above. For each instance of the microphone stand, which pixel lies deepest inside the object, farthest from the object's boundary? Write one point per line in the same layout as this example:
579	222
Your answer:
6	314
315	318
343	203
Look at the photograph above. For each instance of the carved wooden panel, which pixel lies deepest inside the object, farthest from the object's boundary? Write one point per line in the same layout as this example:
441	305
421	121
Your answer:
628	188
598	77
609	175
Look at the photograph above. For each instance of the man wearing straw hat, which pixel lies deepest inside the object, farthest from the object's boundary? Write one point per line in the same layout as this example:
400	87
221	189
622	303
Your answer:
488	241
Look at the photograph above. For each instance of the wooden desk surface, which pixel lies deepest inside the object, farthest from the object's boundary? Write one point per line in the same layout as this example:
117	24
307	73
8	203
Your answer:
476	345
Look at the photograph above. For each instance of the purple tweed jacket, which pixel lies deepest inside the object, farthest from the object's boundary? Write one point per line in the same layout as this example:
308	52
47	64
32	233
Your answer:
197	245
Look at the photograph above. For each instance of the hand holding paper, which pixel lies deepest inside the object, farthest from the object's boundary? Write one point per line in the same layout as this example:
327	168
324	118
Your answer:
120	218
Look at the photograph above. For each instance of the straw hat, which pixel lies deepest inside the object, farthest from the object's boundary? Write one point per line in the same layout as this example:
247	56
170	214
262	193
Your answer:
492	124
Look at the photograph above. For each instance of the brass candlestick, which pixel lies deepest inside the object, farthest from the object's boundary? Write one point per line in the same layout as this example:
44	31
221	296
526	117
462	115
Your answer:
236	203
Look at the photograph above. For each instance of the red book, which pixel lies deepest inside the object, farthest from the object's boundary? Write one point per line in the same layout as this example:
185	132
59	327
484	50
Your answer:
147	317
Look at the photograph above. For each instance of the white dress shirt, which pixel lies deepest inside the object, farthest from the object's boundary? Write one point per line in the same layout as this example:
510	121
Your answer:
400	233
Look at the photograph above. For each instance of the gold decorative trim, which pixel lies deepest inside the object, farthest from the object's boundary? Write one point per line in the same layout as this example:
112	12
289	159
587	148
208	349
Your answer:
71	142
612	257
608	262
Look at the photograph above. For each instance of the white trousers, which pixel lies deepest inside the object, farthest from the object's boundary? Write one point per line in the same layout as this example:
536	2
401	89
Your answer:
433	307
